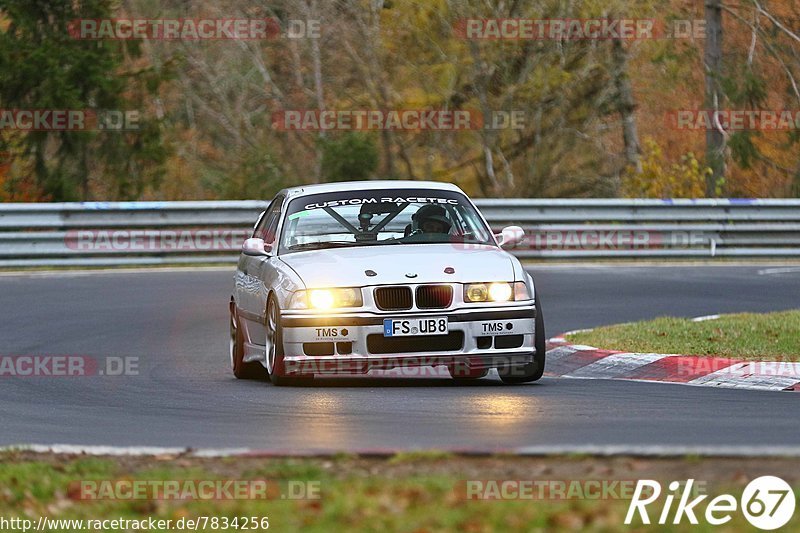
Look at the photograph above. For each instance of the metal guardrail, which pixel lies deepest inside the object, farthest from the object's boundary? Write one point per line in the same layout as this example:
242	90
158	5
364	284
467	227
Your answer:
147	233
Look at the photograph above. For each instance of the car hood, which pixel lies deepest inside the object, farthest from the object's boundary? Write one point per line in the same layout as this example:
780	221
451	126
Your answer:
345	267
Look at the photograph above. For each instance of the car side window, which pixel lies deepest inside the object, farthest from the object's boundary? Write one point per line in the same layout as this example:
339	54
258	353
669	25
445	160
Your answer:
262	218
268	226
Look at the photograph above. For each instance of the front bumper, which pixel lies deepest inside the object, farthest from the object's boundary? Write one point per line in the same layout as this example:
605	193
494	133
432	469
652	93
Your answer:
481	338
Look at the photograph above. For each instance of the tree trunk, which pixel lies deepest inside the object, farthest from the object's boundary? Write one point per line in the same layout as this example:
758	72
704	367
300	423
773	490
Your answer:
626	105
313	11
715	138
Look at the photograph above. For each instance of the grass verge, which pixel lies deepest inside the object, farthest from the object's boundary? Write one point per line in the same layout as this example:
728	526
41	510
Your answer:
426	493
752	336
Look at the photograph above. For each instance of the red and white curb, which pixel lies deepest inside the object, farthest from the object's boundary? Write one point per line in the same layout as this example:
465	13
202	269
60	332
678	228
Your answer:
587	362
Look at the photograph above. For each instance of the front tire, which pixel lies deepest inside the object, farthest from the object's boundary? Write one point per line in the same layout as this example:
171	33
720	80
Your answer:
533	370
276	367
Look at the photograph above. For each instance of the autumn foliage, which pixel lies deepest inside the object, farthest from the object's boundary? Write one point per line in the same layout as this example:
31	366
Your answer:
595	110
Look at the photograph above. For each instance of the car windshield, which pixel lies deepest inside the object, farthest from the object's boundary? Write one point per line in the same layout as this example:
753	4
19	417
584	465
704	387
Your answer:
381	217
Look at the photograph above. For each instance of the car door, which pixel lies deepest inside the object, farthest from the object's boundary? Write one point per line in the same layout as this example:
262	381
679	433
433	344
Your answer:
255	274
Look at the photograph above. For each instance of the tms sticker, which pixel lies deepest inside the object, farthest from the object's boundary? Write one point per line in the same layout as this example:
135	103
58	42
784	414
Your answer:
331	332
496	327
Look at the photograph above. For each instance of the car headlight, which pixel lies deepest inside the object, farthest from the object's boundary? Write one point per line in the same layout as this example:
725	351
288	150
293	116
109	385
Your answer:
326	298
496	292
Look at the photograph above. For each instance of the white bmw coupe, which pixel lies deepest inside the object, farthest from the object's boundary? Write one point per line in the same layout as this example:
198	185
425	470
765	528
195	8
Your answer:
350	277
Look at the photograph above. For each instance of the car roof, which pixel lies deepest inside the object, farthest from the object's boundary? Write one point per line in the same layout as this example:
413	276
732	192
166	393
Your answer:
304	190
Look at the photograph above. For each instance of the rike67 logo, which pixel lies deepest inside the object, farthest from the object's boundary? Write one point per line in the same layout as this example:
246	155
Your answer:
767	502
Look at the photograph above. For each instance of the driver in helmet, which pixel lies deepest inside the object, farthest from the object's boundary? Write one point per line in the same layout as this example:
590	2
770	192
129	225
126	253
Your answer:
431	219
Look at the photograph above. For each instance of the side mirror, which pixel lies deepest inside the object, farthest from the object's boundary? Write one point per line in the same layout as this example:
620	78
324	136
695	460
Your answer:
256	247
510	236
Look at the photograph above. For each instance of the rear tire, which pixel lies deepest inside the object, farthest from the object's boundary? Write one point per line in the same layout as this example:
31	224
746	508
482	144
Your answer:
533	370
242	370
276	367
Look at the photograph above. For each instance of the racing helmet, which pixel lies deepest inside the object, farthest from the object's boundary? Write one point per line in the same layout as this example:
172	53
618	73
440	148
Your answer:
431	212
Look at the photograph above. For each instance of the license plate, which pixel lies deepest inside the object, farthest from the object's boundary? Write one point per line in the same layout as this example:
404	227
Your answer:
409	327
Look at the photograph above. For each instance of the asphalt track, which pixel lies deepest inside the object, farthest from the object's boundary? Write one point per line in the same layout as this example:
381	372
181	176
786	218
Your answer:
184	395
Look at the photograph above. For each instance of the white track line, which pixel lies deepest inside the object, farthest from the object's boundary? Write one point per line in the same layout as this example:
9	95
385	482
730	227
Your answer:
782	270
587	449
704	318
664	451
80	449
